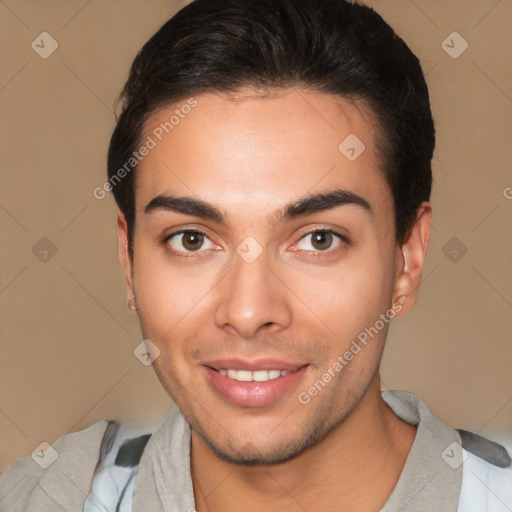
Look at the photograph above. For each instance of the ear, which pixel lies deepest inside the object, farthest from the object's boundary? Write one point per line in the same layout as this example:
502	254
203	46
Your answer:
124	255
410	259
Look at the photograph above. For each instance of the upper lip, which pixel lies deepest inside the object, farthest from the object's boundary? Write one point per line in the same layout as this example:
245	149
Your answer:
253	365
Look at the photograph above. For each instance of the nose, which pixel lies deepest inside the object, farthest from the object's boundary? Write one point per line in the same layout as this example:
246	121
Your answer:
252	299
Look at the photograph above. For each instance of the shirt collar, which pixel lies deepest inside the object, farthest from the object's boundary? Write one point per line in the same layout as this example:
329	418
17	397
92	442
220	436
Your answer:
430	480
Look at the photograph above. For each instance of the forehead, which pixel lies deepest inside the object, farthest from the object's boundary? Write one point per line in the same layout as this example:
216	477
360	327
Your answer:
260	152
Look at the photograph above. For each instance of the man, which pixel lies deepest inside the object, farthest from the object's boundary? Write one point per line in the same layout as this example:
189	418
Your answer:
272	170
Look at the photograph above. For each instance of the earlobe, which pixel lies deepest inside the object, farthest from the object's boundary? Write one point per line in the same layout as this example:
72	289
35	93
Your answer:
410	259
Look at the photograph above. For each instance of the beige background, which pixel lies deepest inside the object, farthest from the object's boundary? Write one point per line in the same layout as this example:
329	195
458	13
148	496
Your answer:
67	337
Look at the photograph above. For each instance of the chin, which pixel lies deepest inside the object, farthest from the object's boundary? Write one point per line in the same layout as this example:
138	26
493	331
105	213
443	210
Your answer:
271	450
250	455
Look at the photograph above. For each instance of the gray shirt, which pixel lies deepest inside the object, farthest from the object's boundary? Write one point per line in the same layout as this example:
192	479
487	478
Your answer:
438	476
427	482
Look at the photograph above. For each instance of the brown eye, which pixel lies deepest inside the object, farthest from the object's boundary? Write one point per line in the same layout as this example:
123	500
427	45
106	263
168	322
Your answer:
321	240
188	241
192	240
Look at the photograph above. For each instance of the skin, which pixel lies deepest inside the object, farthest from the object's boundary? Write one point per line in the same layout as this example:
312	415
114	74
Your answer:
299	301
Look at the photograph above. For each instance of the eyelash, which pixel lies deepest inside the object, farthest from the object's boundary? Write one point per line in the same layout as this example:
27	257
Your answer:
197	254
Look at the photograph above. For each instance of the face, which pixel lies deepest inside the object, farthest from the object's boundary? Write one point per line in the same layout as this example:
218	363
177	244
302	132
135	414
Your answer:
261	252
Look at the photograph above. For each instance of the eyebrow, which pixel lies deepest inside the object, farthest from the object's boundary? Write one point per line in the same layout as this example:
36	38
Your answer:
303	207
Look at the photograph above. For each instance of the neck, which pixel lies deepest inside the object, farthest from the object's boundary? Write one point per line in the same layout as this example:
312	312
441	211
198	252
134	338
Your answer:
355	467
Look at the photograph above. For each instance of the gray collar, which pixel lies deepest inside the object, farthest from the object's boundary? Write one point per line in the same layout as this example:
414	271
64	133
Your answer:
432	476
430	480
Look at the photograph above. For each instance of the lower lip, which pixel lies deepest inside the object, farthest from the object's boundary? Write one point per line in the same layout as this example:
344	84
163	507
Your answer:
252	394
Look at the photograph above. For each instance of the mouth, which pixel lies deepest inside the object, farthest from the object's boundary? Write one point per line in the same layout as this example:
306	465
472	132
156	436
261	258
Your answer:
253	376
254	384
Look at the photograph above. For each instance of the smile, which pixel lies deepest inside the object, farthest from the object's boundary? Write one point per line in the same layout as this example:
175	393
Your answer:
253	376
259	386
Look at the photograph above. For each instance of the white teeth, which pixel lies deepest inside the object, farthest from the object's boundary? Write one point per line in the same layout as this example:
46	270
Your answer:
260	375
256	376
244	375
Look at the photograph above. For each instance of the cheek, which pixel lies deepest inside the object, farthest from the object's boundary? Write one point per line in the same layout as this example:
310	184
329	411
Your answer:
170	295
348	297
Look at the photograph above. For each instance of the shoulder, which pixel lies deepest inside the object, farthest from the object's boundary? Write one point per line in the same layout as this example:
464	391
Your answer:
32	484
480	468
114	478
486	475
